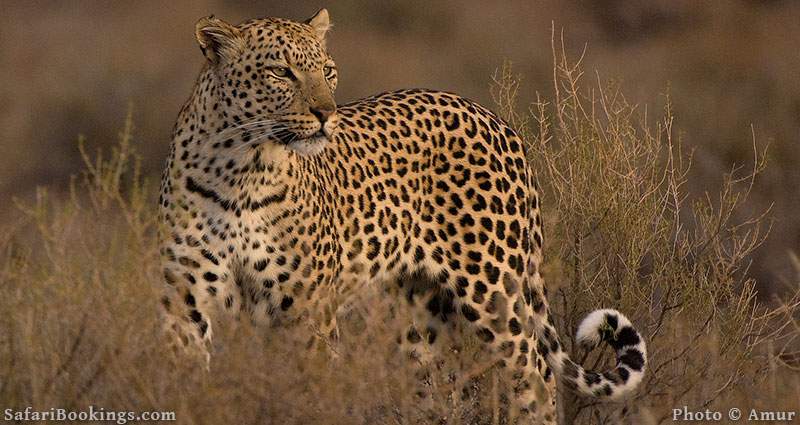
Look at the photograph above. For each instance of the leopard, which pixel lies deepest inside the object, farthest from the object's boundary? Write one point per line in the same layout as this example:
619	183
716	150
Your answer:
281	206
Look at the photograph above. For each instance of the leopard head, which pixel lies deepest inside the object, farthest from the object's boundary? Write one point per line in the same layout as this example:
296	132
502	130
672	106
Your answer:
274	79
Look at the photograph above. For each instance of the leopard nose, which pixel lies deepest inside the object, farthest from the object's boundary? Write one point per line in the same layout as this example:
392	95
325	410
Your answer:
322	112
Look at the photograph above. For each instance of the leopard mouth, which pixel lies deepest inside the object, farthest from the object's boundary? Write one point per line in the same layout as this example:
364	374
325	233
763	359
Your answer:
291	137
317	137
314	141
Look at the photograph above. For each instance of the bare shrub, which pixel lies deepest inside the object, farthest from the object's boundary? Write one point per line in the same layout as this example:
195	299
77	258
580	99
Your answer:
622	233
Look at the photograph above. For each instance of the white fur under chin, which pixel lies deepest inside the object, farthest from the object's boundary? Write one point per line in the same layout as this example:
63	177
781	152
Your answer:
310	146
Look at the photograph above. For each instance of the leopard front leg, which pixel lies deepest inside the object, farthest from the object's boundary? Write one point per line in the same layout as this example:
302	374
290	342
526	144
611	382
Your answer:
284	288
323	327
196	285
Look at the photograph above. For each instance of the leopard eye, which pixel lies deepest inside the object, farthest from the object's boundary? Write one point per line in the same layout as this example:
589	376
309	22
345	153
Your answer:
280	72
329	71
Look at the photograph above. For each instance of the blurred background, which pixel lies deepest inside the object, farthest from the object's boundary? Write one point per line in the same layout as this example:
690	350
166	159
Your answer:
74	68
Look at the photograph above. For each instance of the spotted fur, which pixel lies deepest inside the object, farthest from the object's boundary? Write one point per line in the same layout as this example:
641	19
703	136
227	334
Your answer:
281	206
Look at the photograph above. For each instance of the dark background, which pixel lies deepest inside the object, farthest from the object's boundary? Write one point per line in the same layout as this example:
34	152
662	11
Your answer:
73	68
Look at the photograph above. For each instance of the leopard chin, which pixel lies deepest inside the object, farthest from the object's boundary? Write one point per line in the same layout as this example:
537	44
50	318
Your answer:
309	146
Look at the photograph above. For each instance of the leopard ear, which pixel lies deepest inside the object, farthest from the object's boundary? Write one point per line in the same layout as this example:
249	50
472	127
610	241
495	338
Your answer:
320	23
219	40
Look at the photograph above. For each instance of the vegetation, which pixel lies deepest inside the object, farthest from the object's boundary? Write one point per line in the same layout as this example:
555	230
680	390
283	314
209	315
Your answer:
80	286
622	233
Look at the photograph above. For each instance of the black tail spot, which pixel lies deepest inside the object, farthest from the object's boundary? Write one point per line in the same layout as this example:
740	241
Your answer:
612	321
626	336
591	378
633	359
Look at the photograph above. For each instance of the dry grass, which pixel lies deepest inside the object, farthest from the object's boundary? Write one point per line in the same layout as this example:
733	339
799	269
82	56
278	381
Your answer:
80	285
